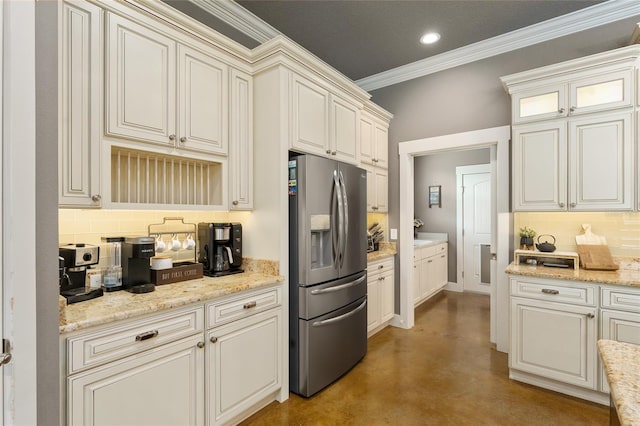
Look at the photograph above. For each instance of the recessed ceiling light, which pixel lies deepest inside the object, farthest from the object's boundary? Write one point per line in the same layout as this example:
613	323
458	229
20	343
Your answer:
429	38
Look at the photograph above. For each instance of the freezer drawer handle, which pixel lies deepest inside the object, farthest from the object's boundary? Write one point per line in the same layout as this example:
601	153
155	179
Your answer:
249	305
550	291
341	317
148	335
339	287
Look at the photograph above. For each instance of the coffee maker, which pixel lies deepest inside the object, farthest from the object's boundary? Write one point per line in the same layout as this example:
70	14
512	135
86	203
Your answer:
220	248
136	264
73	262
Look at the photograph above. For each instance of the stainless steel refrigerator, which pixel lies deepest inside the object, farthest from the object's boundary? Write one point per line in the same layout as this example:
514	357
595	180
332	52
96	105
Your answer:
327	271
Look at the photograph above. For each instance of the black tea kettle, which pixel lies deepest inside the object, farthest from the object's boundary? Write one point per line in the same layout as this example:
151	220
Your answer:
546	246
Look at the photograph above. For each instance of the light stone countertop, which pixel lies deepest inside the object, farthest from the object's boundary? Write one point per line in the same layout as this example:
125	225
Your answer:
122	305
418	243
621	363
386	250
625	277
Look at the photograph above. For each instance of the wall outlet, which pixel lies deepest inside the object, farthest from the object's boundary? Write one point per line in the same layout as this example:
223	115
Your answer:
393	234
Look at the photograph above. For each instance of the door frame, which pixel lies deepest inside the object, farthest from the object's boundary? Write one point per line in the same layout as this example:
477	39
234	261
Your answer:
460	172
497	139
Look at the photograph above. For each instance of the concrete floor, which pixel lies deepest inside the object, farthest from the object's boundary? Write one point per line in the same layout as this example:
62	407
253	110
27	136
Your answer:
442	372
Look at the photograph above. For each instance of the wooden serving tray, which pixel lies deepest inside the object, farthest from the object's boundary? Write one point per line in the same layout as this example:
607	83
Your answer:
181	271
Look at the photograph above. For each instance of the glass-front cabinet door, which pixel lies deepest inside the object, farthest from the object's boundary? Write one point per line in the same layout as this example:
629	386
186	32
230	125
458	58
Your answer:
541	103
605	91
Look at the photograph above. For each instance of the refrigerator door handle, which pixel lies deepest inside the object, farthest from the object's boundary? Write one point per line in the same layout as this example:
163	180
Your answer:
335	230
341	233
340	287
345	214
341	317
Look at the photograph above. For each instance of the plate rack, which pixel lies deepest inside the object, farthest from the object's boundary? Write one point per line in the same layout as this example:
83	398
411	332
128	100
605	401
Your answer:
176	227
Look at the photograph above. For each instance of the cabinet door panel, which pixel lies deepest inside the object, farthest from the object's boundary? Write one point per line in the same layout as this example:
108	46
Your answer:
608	91
621	327
373	303
540	167
554	340
241	141
386	296
417	271
382	143
344	130
80	87
600	153
367	140
381	189
244	364
310	117
203	102
162	386
141	82
540	104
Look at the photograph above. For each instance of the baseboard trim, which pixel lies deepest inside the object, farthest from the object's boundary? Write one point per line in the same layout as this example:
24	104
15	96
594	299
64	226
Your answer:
554	385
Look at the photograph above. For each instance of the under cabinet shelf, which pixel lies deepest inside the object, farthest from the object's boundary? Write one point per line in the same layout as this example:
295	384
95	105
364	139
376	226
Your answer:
148	178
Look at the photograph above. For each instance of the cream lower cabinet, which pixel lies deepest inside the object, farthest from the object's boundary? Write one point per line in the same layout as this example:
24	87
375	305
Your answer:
163	386
619	319
380	294
244	365
429	271
165	369
554	329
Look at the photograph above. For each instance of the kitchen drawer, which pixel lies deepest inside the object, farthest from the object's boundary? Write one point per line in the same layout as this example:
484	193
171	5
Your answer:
554	291
242	306
621	298
100	347
380	266
433	250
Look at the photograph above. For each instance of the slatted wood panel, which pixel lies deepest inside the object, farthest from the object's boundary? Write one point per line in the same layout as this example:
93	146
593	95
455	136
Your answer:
140	177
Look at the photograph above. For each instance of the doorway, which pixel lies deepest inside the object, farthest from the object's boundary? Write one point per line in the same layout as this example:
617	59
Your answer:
474	227
497	139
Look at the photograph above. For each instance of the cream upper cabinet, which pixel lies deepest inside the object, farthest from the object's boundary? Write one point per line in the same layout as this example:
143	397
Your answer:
141	82
323	123
601	163
203	102
590	169
377	190
146	71
540	167
80	89
241	141
374	139
603	91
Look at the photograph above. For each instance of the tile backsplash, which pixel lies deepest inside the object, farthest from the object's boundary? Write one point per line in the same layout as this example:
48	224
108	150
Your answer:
89	226
621	229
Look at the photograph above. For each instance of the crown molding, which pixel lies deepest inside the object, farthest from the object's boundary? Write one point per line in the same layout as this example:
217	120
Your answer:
239	18
584	19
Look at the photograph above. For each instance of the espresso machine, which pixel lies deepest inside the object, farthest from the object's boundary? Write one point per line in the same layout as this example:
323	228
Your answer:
220	248
136	264
74	260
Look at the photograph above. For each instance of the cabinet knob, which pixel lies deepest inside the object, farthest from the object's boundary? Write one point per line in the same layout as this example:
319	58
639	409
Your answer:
96	198
590	315
572	204
572	109
561	205
183	139
375	160
333	152
200	345
380	266
561	110
213	339
374	208
234	202
328	151
172	137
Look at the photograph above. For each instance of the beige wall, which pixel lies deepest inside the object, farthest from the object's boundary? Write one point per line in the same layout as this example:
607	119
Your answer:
621	229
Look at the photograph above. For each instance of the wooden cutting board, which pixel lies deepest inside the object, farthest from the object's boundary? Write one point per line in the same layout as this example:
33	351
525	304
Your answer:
596	256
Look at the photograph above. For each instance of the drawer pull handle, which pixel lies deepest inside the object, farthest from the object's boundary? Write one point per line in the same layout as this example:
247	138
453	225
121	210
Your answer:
550	291
249	305
145	336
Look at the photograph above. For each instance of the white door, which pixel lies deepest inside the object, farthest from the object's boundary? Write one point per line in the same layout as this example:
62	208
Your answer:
476	227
